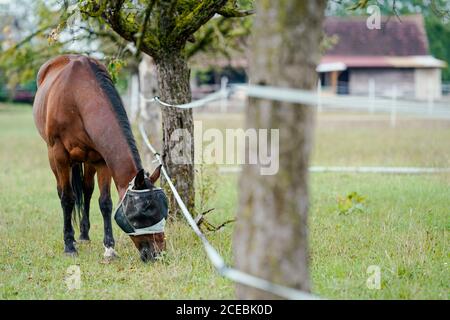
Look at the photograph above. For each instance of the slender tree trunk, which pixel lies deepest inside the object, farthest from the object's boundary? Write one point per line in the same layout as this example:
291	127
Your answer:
178	126
271	234
150	113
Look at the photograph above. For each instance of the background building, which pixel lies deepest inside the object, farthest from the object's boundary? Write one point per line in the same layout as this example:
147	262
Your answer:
392	60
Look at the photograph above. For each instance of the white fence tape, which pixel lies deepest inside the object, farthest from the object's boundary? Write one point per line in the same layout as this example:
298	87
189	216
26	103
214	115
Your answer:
313	99
214	256
346	102
219	95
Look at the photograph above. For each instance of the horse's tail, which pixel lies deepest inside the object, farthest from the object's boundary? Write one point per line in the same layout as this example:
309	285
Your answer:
77	187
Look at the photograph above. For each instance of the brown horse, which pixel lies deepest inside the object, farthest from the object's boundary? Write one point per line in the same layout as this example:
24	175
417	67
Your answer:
80	115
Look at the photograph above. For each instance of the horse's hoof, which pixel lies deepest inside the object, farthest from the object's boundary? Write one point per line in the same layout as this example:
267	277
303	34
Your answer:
84	241
110	254
71	254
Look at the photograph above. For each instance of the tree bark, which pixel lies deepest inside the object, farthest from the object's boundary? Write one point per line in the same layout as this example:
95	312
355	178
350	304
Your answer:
270	239
178	126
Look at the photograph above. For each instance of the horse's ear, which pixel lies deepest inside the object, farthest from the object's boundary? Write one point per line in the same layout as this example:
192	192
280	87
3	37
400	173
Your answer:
155	175
139	181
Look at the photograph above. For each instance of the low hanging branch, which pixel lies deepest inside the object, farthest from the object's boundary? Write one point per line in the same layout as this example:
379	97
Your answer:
201	220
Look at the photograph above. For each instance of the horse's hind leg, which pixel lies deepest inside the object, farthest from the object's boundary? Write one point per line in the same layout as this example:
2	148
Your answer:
88	189
105	203
51	160
61	162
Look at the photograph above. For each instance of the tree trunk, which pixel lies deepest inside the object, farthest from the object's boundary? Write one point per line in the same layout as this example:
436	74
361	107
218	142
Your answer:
271	233
150	111
178	126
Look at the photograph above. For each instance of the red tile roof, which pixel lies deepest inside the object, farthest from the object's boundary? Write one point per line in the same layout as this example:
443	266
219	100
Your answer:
404	37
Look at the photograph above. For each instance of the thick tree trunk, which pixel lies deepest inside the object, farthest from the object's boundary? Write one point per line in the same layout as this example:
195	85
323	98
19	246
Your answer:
150	113
271	234
178	126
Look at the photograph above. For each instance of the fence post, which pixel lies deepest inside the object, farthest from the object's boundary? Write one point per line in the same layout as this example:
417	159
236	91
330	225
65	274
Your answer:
371	95
430	98
319	95
394	107
223	88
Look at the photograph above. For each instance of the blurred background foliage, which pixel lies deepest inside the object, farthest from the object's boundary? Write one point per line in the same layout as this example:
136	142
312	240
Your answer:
34	31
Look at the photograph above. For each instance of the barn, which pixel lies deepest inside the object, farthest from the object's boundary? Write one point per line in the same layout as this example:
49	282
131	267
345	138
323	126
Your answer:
393	60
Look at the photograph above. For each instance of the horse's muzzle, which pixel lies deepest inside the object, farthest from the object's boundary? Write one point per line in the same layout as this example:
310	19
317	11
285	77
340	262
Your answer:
150	246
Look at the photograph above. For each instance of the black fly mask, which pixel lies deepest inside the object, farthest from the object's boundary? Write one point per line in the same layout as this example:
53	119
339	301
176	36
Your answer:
142	211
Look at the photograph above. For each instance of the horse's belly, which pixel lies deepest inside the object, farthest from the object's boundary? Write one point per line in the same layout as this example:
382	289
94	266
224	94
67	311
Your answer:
94	157
39	112
79	154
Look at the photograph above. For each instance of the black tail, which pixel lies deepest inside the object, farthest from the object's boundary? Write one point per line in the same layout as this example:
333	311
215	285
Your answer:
77	187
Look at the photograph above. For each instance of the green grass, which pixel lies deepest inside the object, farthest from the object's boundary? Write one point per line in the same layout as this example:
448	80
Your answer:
404	229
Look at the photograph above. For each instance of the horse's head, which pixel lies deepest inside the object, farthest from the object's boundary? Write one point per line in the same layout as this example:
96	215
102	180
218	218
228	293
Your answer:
142	214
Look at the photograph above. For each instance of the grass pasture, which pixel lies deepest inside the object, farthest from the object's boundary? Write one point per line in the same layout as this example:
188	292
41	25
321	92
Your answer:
404	229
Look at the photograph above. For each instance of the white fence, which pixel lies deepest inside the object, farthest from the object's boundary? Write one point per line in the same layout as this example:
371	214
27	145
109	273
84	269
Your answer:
393	105
371	104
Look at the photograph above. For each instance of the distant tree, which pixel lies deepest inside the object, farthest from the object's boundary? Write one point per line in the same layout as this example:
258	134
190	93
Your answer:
439	39
44	29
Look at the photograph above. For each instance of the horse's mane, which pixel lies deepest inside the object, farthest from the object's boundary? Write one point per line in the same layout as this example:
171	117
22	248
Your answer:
105	82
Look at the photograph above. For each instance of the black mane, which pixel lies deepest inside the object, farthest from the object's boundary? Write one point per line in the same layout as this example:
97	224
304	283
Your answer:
105	82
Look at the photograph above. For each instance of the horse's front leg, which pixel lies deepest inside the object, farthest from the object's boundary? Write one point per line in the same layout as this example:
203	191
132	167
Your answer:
105	203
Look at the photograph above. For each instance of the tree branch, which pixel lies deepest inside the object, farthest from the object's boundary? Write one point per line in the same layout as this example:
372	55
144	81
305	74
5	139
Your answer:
124	26
100	34
228	12
200	44
31	36
439	12
148	10
188	23
207	37
166	19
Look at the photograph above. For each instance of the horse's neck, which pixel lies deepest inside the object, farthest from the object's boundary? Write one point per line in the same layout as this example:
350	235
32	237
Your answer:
112	145
122	171
106	123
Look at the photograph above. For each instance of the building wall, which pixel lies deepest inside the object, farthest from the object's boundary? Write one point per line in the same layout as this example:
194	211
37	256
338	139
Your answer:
421	83
385	81
428	84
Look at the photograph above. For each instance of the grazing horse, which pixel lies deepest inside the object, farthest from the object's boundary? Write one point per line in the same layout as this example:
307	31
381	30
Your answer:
80	115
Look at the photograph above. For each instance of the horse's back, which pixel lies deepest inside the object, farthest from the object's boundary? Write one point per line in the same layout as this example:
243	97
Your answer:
53	65
49	97
61	82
